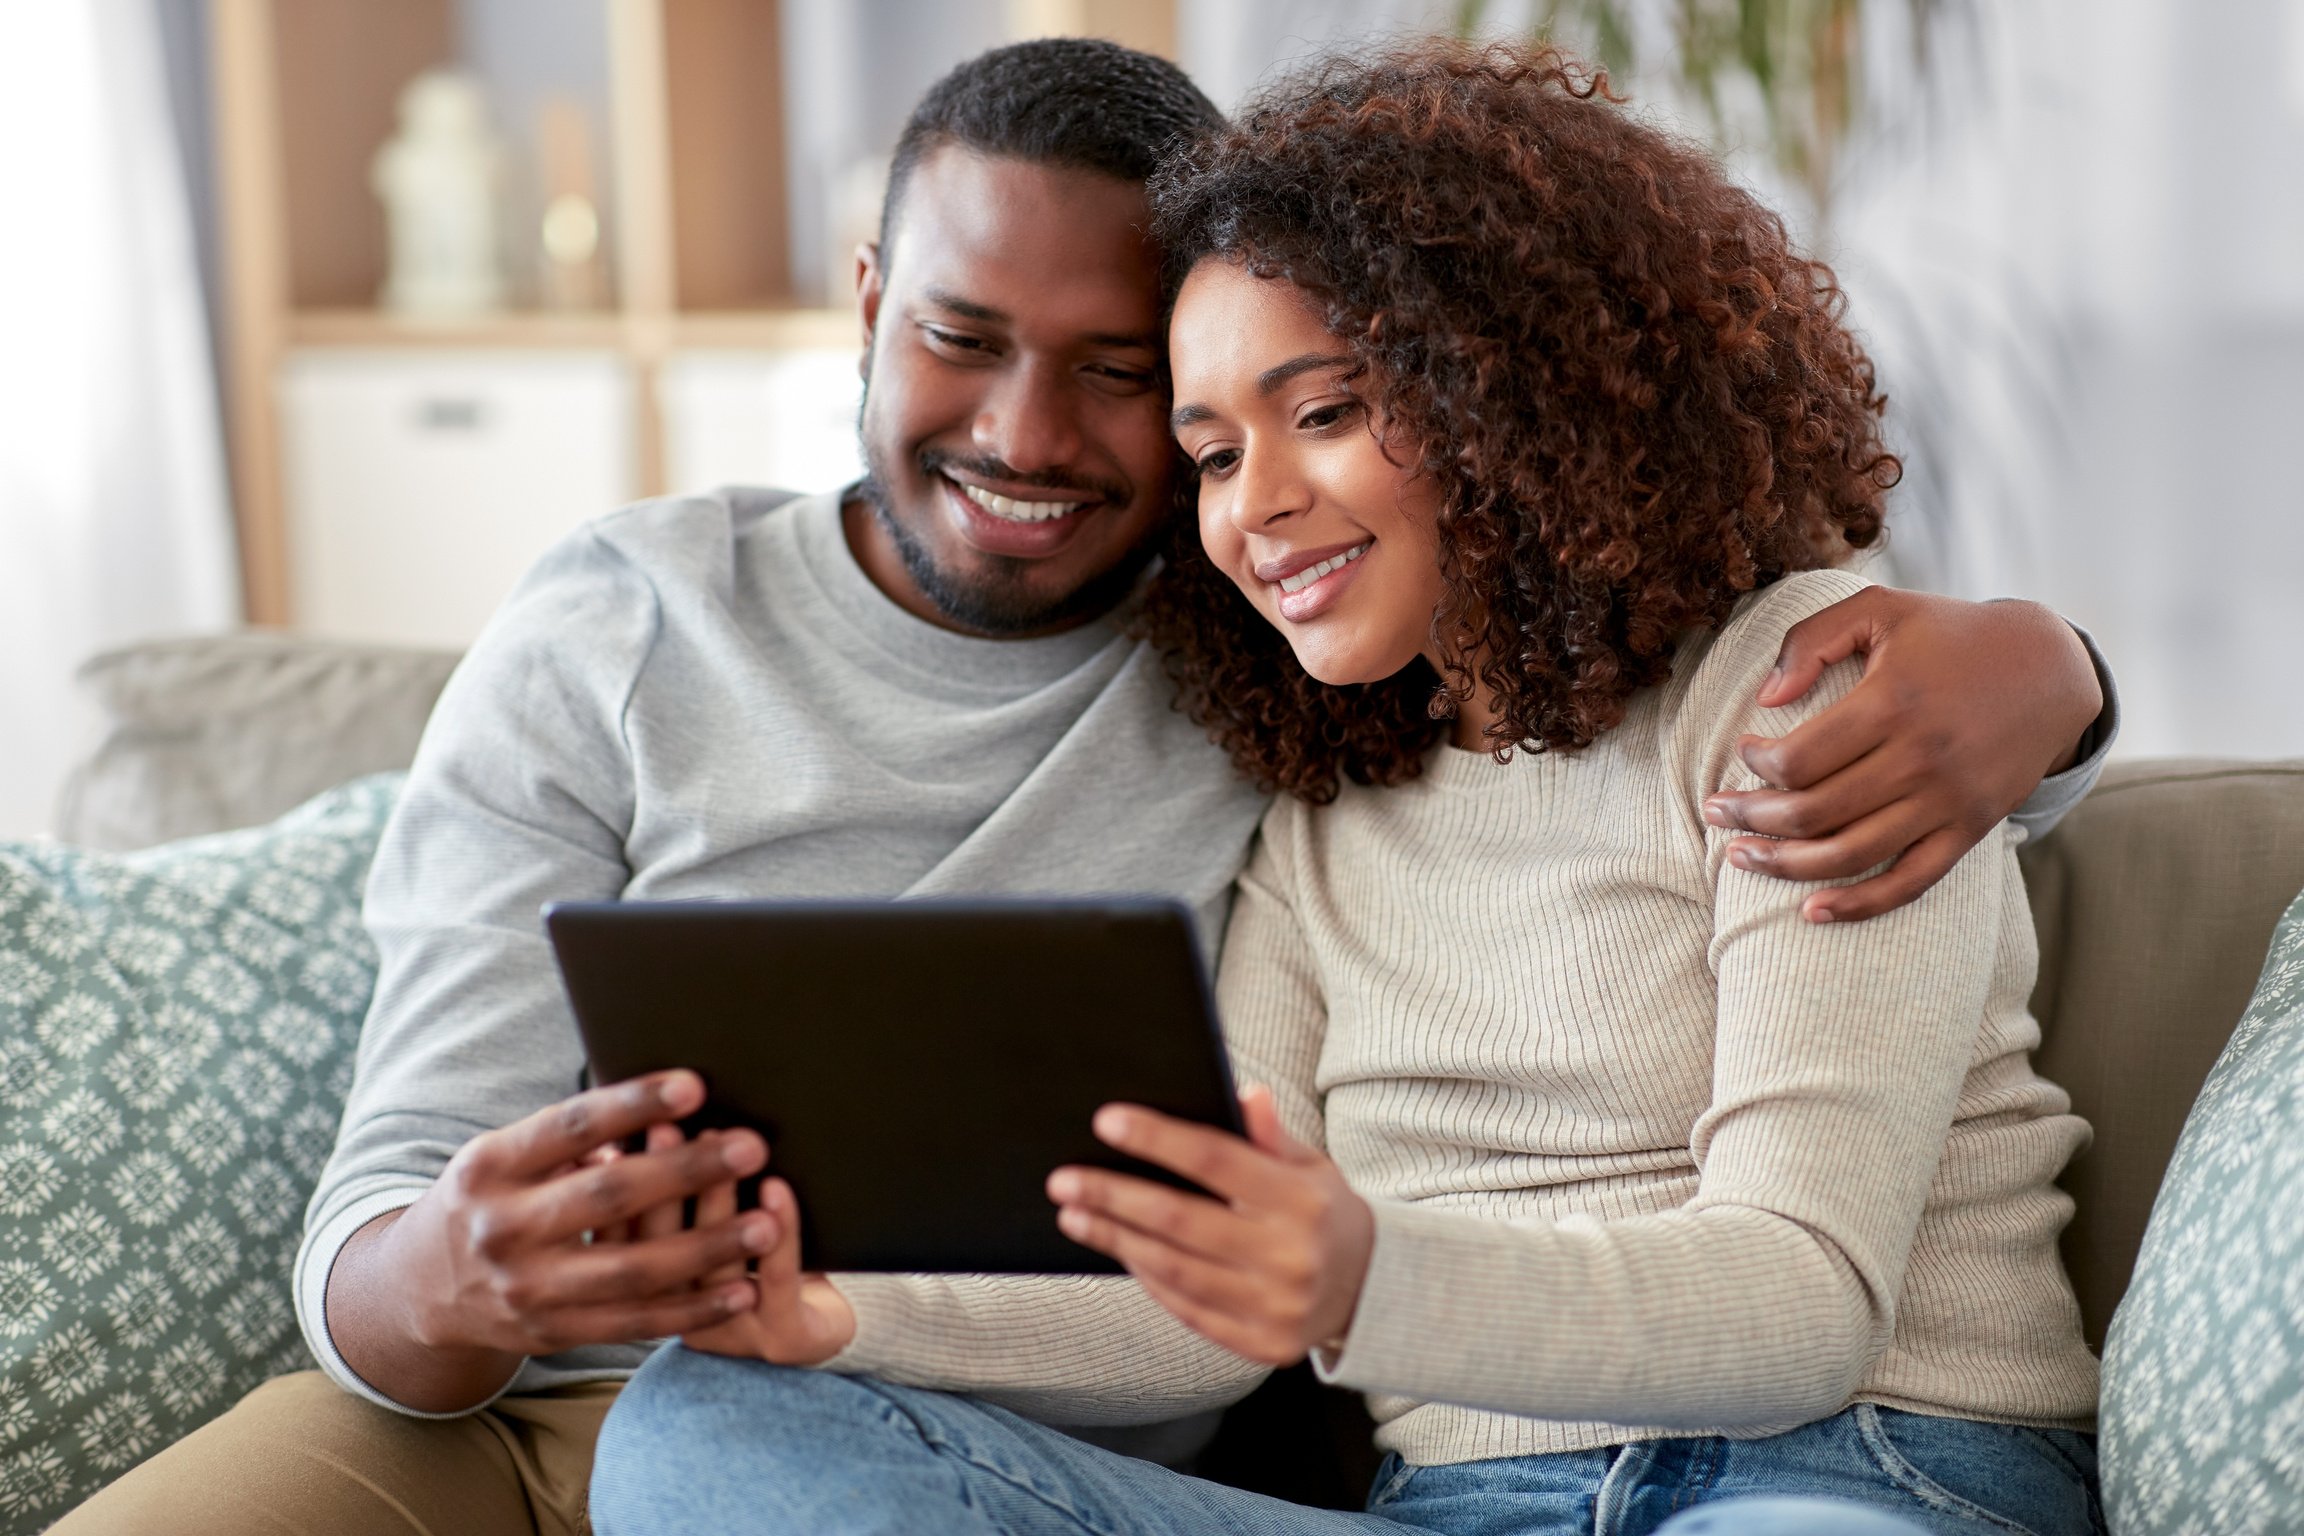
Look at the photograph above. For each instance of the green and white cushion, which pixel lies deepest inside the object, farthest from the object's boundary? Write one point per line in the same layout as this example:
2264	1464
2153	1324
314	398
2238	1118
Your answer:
2203	1412
176	1037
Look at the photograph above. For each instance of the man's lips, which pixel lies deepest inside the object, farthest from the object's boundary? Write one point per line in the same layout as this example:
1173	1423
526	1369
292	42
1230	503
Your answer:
1022	504
1034	535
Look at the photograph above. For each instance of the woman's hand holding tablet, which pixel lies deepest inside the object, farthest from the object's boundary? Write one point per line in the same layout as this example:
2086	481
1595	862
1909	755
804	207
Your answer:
799	1318
1271	1268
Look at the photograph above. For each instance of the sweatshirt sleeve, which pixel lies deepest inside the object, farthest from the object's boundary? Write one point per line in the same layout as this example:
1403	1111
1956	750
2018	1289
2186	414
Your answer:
1840	1051
521	794
2059	792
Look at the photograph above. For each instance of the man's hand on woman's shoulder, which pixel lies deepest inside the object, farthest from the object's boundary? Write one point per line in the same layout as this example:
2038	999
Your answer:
1963	709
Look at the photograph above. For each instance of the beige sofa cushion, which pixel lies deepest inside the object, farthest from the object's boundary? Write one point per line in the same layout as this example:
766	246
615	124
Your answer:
2154	902
227	731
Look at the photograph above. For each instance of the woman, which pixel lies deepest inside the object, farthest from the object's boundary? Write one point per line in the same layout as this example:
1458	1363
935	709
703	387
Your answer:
1526	436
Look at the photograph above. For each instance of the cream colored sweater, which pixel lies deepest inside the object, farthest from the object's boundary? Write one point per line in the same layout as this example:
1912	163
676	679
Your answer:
1648	1152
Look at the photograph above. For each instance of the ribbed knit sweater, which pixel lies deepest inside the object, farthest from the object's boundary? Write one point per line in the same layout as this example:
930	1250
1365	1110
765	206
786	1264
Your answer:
1649	1153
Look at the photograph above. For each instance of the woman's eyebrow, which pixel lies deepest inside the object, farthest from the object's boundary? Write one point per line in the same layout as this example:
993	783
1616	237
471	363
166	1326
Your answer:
1266	382
1280	373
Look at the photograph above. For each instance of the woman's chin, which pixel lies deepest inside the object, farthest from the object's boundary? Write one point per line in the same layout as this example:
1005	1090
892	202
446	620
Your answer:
1344	670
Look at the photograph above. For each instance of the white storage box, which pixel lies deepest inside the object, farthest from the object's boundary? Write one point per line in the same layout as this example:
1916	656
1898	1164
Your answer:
421	485
783	419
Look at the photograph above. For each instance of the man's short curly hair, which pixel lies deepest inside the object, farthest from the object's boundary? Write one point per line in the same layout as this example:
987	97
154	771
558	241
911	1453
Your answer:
1639	400
1077	102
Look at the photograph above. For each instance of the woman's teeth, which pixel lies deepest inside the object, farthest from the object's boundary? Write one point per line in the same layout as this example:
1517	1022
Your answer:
1313	573
1018	511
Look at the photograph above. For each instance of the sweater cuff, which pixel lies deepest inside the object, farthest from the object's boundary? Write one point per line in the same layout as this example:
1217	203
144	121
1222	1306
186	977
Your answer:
1409	1312
322	1245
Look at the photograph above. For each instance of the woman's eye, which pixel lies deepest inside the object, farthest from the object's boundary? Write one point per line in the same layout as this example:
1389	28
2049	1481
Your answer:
1321	416
1217	462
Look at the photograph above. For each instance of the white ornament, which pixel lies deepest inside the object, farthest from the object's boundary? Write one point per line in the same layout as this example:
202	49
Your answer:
438	179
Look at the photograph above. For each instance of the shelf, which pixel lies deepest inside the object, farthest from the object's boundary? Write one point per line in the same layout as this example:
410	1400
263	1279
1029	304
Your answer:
513	328
771	330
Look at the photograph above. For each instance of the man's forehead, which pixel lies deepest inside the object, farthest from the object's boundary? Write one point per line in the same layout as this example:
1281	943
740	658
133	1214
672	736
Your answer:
1020	240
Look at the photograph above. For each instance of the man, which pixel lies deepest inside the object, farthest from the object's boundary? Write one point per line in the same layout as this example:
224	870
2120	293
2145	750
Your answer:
922	685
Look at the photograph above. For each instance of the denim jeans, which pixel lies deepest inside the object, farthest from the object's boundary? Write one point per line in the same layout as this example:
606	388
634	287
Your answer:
698	1443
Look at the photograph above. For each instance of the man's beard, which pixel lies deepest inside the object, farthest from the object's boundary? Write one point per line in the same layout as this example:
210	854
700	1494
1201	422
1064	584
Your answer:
999	602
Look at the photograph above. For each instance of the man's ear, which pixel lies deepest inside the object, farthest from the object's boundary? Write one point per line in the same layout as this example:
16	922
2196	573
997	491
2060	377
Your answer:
868	291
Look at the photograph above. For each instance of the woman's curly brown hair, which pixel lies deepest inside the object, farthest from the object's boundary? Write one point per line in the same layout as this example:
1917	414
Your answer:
1640	401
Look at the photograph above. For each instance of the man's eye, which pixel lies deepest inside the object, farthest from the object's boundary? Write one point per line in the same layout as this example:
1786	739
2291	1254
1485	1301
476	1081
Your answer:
955	340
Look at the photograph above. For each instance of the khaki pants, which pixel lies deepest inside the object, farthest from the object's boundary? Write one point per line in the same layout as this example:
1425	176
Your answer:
299	1456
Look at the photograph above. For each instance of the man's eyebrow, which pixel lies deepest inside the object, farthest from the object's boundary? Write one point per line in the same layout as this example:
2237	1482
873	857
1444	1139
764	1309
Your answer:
966	309
1280	373
984	314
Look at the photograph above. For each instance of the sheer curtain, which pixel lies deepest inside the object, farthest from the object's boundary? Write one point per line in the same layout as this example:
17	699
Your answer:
114	522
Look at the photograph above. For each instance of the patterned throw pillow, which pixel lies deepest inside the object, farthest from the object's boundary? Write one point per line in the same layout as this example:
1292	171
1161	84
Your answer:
176	1037
2203	1420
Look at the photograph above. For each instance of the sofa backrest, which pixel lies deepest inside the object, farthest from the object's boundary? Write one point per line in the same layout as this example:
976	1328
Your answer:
2154	901
219	731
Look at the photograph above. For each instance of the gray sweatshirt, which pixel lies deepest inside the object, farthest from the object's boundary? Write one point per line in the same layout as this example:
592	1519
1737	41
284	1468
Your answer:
706	697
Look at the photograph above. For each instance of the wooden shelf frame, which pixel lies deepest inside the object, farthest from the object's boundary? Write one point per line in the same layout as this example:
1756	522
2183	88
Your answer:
304	93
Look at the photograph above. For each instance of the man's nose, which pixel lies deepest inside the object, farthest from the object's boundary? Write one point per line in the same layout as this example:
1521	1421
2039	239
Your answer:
1031	421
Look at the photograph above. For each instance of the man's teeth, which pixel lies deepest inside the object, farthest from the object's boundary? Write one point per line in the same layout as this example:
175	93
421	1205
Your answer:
1313	573
1018	511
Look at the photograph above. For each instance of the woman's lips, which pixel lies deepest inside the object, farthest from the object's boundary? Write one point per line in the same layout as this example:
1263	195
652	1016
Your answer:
996	535
1309	602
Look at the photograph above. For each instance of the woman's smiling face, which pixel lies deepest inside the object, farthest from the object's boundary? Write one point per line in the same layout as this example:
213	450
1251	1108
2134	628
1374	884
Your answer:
1334	539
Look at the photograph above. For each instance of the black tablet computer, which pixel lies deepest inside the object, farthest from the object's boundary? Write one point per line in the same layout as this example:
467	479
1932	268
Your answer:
918	1067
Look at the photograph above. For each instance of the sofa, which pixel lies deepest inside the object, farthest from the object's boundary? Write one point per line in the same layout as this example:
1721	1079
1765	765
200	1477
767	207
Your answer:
2154	903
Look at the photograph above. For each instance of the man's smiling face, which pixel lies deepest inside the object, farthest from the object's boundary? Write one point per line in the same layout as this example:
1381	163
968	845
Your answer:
1015	415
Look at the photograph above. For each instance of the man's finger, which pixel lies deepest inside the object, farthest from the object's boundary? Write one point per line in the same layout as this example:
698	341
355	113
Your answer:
668	1216
1816	643
1216	1160
629	1186
566	1131
1824	743
1922	865
648	1270
1851	851
1869	784
679	1312
1192	1222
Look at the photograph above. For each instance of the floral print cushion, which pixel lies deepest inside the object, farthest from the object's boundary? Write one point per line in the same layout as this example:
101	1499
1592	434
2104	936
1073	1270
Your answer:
176	1037
2203	1412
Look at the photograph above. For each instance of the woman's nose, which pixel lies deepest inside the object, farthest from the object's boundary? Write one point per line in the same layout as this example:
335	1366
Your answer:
1268	489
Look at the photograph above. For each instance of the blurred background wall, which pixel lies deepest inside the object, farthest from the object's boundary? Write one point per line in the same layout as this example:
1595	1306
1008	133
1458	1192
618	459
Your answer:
2071	230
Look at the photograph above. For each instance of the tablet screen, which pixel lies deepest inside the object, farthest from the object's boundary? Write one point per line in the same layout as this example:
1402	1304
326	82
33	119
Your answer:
917	1067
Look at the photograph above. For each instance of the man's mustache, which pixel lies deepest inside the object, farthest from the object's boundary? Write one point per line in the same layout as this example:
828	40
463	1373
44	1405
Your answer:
1118	492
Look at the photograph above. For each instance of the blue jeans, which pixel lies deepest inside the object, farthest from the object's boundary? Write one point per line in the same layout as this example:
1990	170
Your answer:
698	1443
